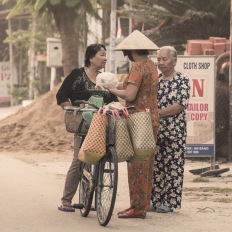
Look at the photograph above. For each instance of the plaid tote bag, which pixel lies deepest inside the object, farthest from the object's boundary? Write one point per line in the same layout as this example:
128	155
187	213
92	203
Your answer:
94	145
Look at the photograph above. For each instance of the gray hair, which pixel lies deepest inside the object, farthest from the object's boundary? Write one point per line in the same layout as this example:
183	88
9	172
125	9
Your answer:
171	49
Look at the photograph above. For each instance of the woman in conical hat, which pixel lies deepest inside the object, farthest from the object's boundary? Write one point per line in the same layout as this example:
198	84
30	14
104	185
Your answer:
140	90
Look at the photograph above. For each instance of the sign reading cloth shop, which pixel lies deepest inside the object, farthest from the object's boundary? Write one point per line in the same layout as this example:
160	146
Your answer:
201	108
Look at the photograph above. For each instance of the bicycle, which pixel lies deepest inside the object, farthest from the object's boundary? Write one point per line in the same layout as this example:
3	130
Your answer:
100	179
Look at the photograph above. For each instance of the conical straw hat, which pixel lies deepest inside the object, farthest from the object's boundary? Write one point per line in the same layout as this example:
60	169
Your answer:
136	41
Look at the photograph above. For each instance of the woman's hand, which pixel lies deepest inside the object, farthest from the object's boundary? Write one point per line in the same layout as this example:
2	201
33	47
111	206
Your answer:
65	104
171	110
98	87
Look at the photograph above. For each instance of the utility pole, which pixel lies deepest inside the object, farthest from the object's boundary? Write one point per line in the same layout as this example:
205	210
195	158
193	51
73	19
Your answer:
130	20
11	63
32	61
230	88
112	35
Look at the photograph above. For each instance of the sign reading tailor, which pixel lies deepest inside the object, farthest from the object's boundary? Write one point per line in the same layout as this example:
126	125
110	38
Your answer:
5	82
201	108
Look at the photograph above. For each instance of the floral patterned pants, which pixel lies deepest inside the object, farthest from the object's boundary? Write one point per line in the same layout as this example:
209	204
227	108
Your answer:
140	185
168	174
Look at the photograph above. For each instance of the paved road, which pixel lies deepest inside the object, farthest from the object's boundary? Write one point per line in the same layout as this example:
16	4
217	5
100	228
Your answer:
30	195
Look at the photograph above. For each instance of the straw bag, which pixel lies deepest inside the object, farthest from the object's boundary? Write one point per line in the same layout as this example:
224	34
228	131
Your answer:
94	145
73	119
142	135
123	145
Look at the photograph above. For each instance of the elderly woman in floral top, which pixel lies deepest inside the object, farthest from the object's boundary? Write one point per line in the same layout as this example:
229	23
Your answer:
173	97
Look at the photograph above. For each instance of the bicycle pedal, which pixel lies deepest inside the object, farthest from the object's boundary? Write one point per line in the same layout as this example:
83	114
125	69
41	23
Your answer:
93	208
78	206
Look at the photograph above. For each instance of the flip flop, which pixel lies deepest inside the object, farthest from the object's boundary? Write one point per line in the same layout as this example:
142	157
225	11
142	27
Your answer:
66	208
125	210
151	208
164	209
130	214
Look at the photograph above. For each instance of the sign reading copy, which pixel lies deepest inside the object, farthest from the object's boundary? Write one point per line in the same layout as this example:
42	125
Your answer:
201	108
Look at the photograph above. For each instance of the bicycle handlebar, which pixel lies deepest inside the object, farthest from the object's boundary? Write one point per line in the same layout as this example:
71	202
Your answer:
85	102
80	109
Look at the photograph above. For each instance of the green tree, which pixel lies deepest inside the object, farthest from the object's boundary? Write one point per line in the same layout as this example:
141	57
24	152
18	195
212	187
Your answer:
173	22
70	21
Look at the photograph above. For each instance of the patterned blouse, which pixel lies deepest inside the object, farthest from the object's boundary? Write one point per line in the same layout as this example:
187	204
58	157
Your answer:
173	91
144	75
76	87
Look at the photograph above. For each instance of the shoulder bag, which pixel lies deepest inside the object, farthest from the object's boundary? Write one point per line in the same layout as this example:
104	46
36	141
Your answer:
142	136
123	145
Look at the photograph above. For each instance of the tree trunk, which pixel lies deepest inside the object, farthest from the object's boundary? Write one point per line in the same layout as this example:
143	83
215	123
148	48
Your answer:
65	22
106	24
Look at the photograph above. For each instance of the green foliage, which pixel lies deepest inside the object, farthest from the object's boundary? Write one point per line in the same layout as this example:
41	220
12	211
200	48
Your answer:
54	2
20	93
39	5
72	3
174	22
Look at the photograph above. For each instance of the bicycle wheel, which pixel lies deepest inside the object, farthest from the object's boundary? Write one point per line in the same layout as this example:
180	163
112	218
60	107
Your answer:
86	189
107	186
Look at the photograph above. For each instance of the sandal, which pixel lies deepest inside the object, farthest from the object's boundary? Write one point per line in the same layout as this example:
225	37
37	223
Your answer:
151	208
125	210
66	208
130	214
164	209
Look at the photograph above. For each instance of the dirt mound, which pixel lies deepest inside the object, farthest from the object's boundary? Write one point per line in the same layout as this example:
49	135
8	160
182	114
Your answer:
38	127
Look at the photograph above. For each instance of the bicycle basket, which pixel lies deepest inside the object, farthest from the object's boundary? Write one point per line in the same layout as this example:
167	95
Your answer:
73	120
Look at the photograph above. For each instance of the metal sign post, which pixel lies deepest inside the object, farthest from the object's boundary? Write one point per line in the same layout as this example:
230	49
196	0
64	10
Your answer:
230	87
112	35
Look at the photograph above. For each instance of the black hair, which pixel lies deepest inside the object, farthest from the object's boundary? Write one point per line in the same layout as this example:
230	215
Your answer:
139	52
142	52
91	51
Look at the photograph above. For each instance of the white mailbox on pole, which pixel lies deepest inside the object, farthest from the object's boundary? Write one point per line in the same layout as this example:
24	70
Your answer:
54	52
54	57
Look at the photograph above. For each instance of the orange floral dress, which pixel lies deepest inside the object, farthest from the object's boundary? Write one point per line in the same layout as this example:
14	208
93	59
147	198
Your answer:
144	75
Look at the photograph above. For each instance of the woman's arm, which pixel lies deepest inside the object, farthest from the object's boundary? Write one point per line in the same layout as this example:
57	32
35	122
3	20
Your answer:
63	104
171	110
120	86
128	94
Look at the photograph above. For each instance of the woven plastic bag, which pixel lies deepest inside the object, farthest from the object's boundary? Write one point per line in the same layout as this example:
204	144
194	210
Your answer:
94	145
123	145
142	135
97	101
